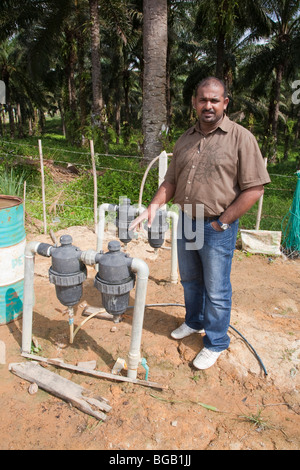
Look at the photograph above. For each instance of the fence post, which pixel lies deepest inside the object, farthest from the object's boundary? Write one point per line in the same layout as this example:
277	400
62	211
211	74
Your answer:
260	203
95	183
43	186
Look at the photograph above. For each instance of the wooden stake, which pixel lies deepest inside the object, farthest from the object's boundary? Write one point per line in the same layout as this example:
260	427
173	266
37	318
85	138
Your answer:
24	199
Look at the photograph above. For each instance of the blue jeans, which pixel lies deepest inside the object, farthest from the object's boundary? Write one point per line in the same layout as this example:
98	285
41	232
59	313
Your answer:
205	277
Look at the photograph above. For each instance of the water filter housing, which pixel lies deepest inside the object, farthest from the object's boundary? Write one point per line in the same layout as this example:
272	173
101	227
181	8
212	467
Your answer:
67	272
114	279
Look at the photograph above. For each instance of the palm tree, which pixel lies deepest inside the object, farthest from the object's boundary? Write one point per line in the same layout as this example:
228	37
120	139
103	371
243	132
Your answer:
277	58
155	31
98	110
221	21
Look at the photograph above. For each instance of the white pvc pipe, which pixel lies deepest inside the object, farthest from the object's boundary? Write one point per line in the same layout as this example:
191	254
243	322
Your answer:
134	356
101	223
174	260
137	265
28	298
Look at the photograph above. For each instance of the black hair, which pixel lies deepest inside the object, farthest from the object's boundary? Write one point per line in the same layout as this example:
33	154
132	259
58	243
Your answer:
212	81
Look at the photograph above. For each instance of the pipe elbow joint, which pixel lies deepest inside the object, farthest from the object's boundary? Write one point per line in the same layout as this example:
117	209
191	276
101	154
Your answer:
31	248
140	267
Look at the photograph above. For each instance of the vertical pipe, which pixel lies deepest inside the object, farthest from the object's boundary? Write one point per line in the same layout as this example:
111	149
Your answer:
162	169
30	250
101	223
134	356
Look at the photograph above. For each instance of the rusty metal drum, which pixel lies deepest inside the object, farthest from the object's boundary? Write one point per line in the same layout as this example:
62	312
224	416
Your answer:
12	249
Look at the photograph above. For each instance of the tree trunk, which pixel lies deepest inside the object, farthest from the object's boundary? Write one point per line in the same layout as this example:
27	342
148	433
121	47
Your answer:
274	113
70	71
71	105
278	80
20	122
97	105
220	56
155	31
81	88
168	92
126	86
5	76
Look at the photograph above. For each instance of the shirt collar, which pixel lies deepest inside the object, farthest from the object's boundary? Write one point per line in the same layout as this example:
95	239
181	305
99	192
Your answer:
225	125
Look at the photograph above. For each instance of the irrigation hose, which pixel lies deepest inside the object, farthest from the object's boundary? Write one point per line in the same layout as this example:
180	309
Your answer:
84	321
230	326
73	333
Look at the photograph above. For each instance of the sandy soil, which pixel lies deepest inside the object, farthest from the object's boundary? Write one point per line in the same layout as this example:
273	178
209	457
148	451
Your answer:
231	406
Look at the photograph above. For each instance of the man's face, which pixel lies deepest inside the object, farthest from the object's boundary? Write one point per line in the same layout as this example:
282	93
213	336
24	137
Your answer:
210	103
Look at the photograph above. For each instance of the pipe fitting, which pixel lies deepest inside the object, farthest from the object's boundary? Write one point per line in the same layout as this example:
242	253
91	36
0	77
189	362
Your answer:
90	257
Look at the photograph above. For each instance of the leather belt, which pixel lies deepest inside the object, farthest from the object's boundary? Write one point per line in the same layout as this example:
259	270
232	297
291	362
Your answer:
207	219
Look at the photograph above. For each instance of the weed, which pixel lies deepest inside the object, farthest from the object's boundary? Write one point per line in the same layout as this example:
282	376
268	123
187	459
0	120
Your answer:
257	420
287	354
11	183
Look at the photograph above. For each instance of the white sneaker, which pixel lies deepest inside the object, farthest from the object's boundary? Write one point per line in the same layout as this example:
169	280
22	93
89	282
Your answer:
183	331
206	358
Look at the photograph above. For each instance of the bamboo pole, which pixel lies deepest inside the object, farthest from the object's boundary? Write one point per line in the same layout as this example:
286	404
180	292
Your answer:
43	185
95	183
24	199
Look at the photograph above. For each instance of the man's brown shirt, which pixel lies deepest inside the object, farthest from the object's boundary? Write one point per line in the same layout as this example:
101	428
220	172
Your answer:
213	169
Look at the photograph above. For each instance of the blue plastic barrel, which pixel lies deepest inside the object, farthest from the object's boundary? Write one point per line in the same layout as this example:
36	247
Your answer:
12	249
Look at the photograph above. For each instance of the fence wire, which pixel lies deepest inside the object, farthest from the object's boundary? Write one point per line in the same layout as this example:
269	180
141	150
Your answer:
69	189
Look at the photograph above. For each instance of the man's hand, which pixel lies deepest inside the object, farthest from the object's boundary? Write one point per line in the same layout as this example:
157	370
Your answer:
137	223
164	193
146	215
216	226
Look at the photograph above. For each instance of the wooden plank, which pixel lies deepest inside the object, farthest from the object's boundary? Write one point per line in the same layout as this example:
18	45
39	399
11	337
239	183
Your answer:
61	387
94	373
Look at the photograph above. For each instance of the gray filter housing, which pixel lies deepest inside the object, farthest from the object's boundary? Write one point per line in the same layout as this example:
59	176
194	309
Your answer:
67	272
114	279
125	215
156	233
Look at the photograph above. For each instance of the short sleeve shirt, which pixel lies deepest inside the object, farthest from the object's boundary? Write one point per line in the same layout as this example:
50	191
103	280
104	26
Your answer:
213	169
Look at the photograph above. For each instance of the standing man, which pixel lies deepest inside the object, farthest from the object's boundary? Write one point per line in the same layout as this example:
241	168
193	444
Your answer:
217	165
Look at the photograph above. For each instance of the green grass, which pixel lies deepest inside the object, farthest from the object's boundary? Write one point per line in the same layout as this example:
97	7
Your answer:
118	175
277	198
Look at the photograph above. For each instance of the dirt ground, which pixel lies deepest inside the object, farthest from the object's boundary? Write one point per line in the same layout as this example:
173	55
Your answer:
231	406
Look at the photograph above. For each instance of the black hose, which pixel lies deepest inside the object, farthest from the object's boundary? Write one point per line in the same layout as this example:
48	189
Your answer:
257	356
247	342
